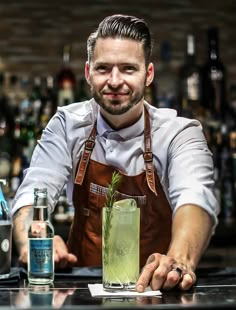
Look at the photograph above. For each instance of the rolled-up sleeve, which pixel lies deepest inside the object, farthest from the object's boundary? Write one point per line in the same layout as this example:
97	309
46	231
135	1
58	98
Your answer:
191	171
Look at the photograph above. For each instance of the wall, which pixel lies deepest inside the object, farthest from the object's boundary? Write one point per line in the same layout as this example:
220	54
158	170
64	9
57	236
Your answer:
32	33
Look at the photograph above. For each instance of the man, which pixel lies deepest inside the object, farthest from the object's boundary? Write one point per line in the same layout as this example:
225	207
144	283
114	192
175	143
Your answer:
164	160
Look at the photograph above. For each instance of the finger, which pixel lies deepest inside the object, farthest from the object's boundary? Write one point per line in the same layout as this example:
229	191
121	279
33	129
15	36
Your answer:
159	276
187	281
72	259
174	276
69	260
147	273
178	270
62	257
61	264
154	272
23	258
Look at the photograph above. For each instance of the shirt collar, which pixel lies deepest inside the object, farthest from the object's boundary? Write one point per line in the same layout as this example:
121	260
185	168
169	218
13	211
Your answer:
103	129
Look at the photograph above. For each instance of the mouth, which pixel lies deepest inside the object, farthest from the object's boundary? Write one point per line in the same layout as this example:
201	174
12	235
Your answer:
115	95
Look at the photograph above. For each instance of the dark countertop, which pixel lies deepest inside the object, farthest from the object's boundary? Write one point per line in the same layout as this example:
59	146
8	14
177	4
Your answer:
215	288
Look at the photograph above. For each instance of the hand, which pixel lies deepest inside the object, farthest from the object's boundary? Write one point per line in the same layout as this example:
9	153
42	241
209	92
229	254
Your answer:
62	257
165	272
23	257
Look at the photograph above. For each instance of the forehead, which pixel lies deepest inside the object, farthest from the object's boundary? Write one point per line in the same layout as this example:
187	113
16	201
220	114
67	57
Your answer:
118	49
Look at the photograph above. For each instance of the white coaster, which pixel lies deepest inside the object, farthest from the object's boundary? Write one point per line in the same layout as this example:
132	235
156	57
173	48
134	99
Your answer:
97	290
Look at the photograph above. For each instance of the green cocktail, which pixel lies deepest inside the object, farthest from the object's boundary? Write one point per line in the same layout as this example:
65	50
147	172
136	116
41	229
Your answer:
120	242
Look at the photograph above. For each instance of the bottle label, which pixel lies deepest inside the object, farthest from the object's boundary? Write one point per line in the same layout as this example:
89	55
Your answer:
216	75
193	87
41	255
5	245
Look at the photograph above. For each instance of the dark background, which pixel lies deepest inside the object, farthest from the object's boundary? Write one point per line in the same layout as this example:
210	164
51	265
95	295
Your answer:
33	33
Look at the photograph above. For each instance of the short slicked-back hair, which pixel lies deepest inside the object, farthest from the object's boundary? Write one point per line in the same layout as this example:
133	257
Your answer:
124	27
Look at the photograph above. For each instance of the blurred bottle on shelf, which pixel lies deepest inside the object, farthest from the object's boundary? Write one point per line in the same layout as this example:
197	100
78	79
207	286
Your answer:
226	176
66	80
20	160
60	212
232	97
166	79
214	141
35	100
190	82
50	98
232	137
63	212
29	120
13	91
231	115
49	104
6	132
214	76
29	139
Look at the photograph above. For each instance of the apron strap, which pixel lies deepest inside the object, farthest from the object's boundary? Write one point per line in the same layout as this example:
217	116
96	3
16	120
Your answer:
148	156
83	163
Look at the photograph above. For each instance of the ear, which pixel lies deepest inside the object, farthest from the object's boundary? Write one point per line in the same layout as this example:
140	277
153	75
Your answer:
86	71
150	74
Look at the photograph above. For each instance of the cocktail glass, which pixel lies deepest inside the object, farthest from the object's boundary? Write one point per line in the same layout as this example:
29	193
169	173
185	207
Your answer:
120	245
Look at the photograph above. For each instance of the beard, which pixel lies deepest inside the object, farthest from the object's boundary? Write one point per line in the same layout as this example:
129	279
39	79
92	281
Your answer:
116	106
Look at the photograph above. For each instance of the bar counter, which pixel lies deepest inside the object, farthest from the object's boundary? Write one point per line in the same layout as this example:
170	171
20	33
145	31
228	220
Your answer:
215	288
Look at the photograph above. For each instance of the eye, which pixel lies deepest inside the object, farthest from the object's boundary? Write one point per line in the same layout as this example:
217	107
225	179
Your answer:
129	69
102	69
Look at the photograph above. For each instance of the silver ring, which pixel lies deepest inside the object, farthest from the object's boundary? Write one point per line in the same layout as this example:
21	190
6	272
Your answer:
179	270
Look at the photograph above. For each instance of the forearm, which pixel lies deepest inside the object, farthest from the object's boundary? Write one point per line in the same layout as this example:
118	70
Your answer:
191	233
21	221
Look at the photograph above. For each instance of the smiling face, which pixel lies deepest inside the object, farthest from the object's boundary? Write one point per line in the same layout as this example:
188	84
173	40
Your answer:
118	74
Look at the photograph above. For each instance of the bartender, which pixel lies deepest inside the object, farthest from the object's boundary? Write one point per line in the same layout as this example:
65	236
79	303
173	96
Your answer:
164	161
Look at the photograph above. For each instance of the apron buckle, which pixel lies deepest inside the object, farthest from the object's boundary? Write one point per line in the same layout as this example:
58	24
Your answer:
89	145
147	156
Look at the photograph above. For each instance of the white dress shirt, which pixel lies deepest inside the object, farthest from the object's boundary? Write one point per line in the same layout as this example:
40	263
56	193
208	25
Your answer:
180	154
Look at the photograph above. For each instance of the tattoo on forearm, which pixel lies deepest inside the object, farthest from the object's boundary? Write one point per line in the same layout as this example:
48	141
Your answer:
22	219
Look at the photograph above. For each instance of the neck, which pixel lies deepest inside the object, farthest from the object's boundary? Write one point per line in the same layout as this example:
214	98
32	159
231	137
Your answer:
124	120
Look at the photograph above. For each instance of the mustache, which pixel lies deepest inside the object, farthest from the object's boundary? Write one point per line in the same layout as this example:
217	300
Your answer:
115	92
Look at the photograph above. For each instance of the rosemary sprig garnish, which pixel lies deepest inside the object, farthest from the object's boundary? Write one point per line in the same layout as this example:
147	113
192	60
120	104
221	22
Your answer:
110	199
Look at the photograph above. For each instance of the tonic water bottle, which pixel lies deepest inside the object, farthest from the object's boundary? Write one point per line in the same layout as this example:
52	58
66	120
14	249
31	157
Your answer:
40	236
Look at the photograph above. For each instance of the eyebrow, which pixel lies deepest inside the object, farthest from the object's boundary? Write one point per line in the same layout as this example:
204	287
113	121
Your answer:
116	64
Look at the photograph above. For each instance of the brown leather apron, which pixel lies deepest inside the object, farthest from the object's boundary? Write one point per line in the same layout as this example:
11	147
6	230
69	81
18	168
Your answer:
89	196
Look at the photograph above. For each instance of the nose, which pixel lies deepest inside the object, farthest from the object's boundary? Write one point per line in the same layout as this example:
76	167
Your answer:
115	78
